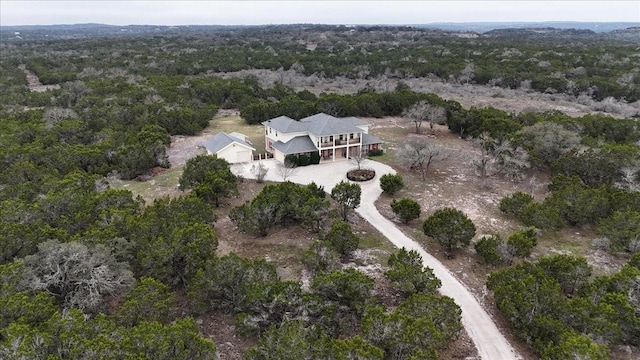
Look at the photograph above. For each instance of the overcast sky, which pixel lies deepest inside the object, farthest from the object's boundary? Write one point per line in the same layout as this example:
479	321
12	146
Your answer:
116	12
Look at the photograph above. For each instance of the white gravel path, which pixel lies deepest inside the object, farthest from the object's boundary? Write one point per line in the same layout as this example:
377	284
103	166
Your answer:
486	336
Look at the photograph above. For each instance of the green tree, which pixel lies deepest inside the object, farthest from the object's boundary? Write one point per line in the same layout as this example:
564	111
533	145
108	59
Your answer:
350	288
487	249
149	300
225	283
450	227
320	258
515	203
176	258
406	209
421	325
347	195
391	183
523	241
571	272
623	230
341	238
291	341
181	340
196	169
525	295
575	346
216	185
409	275
271	304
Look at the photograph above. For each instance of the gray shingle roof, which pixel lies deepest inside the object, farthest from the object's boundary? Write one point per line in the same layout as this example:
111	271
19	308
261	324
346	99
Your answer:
370	139
222	140
354	121
299	144
323	124
285	124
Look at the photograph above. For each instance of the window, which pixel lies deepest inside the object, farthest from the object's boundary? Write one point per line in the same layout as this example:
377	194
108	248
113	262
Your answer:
351	136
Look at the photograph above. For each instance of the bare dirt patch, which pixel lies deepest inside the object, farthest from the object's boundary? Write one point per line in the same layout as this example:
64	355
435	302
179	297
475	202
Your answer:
469	95
33	82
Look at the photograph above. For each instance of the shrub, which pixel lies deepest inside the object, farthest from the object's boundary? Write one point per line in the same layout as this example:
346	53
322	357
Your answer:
515	203
320	258
341	238
391	183
375	152
450	227
303	160
523	241
406	209
622	229
487	249
315	158
542	216
291	159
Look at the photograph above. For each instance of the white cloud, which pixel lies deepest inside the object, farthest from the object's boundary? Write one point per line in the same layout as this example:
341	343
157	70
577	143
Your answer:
329	12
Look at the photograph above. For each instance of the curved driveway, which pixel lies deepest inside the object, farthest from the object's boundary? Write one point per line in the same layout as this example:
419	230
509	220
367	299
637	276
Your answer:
486	336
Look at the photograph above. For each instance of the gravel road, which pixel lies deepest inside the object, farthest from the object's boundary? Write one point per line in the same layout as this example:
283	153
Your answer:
486	336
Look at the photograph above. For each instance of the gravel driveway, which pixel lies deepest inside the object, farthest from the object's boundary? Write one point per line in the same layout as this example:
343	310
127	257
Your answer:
486	336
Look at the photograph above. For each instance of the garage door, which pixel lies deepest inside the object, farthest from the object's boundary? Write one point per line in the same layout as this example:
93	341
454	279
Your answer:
243	156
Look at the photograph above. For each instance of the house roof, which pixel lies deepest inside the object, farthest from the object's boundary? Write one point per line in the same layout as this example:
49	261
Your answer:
285	124
222	140
355	121
299	144
323	124
370	139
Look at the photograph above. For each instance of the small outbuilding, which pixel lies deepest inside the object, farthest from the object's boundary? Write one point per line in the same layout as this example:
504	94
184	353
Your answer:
234	147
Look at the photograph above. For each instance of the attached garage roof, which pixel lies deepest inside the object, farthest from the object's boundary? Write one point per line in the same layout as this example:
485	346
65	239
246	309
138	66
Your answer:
299	144
222	140
370	139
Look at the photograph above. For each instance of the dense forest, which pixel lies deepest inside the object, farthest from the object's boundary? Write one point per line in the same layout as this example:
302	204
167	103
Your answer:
88	270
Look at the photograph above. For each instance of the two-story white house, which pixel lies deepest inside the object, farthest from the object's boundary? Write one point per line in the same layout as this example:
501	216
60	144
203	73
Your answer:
333	138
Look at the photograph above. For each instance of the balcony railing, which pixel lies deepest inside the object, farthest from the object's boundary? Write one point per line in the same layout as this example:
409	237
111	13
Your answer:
328	144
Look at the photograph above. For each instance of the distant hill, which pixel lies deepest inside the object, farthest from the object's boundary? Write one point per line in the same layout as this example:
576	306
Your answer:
482	27
82	31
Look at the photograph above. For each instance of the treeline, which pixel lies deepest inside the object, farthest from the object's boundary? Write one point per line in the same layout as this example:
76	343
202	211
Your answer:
366	103
556	308
588	64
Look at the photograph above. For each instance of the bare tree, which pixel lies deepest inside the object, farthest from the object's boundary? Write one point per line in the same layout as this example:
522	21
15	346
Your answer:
419	154
259	171
78	274
286	170
630	179
358	157
467	74
55	115
436	114
500	157
423	111
416	113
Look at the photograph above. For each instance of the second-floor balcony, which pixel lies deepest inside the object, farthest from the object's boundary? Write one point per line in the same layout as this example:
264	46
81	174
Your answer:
338	142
